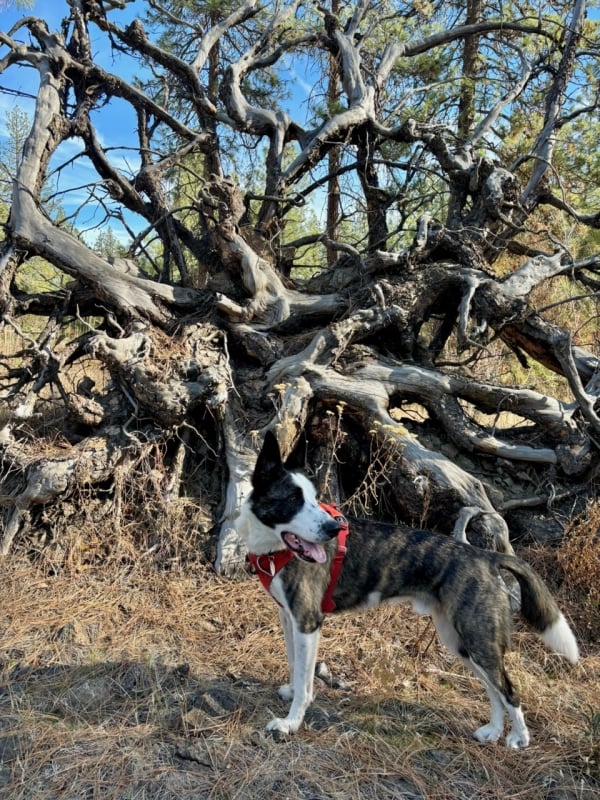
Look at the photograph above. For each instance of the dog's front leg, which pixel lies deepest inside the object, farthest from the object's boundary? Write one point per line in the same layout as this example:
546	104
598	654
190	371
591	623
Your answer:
304	648
286	692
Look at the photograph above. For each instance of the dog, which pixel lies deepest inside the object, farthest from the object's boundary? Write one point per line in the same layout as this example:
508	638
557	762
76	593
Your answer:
294	545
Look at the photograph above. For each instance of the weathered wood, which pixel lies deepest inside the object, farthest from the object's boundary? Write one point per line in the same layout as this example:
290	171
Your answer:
212	330
48	477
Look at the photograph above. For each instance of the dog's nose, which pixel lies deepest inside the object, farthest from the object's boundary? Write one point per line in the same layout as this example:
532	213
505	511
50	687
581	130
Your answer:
331	527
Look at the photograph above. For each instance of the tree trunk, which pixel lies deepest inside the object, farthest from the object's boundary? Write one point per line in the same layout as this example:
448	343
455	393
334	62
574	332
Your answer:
423	373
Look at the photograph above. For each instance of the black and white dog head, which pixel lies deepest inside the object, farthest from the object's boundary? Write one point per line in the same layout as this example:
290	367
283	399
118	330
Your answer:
283	511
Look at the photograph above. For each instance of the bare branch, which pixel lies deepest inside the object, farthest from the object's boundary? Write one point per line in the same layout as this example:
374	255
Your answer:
544	146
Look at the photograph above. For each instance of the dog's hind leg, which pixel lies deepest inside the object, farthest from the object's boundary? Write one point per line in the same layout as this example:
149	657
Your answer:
305	647
501	700
449	636
495	727
518	736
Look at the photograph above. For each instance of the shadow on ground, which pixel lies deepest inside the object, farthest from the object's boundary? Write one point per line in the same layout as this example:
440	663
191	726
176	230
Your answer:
145	731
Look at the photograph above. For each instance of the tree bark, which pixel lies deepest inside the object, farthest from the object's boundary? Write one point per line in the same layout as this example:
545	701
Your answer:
412	374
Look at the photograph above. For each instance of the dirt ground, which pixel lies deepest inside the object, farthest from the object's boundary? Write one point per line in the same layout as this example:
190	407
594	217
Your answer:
145	684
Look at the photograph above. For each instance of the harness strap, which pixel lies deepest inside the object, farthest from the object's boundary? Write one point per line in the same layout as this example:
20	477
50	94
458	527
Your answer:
267	565
328	604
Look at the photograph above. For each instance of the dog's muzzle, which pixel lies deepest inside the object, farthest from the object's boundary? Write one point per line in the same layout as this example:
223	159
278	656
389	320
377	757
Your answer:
309	550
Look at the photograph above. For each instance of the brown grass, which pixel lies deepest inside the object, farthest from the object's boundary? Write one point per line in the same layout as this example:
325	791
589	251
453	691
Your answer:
579	557
146	683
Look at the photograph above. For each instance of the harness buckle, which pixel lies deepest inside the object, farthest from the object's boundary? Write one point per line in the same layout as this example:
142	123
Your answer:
271	562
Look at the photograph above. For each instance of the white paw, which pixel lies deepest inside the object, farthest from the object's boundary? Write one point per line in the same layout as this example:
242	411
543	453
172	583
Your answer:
517	741
286	692
283	725
488	733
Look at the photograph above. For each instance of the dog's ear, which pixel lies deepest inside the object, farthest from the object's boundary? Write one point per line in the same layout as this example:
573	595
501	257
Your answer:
268	464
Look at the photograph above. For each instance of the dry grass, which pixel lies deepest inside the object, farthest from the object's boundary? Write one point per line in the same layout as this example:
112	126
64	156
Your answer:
579	557
145	683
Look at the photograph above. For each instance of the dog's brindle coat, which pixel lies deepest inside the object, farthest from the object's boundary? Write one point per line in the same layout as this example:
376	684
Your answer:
460	586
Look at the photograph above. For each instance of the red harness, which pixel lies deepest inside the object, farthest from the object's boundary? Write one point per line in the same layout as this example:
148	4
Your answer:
266	566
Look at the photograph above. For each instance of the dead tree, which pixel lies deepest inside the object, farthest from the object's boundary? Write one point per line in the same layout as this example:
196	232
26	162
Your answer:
374	370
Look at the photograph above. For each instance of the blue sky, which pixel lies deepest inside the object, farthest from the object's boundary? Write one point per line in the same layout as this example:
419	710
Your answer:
116	125
52	11
114	129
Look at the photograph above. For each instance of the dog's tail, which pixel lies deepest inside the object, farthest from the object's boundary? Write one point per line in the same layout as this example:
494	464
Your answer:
540	610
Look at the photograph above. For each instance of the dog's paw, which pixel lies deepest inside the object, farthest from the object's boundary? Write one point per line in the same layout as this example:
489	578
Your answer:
286	692
281	725
517	741
488	733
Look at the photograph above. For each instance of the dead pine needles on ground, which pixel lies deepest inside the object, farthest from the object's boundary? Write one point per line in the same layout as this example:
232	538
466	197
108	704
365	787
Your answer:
137	681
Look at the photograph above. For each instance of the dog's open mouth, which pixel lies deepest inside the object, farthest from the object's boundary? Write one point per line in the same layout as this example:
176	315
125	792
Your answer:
308	551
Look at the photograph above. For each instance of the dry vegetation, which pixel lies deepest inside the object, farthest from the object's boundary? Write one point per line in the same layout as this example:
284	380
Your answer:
149	679
579	557
129	670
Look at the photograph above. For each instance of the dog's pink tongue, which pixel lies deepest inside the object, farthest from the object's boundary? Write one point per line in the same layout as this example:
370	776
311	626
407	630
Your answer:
303	548
315	551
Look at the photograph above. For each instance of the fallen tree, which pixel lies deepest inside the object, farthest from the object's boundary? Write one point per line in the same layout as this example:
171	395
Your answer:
377	363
